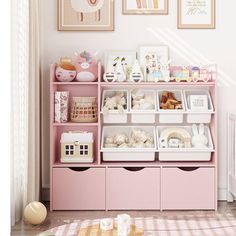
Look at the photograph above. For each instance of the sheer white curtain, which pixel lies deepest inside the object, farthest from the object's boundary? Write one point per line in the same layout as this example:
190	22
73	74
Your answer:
25	164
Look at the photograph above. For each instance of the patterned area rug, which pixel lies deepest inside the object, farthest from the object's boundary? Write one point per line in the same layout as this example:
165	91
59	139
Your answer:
182	225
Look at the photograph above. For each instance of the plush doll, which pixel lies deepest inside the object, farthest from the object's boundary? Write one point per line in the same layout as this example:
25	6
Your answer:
86	67
66	71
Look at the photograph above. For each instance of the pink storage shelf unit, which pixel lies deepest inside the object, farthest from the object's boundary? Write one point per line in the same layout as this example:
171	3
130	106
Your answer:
124	185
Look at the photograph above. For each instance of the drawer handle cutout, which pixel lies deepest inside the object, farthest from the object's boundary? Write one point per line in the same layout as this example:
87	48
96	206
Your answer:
134	168
79	169
188	168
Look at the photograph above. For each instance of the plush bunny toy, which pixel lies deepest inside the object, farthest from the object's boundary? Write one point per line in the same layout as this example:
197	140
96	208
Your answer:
199	140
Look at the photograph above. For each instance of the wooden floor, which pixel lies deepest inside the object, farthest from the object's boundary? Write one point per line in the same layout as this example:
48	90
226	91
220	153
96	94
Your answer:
57	218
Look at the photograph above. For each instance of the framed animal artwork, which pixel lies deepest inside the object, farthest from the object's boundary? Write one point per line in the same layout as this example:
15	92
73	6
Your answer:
85	15
145	7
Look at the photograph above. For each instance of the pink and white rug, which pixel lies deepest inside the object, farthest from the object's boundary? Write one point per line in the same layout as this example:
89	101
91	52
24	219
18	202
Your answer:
182	225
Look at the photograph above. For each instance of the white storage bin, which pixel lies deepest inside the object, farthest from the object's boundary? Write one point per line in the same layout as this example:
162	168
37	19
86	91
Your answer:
198	115
127	154
185	154
171	116
143	116
114	116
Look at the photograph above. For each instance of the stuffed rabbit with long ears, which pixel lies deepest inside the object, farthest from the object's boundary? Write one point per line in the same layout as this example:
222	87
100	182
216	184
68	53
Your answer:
199	140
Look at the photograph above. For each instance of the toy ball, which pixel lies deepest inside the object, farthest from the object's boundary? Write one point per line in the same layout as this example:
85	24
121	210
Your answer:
35	213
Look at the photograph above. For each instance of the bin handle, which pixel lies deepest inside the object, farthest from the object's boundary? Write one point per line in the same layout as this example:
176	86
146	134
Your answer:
188	168
134	169
79	169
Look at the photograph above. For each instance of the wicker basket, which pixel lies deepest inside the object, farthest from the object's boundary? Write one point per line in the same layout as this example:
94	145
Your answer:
84	110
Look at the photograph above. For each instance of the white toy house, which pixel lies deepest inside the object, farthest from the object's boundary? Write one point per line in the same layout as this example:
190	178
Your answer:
77	147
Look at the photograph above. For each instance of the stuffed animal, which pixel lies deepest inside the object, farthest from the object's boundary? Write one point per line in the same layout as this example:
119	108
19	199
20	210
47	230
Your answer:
86	67
141	101
137	139
66	71
116	102
199	140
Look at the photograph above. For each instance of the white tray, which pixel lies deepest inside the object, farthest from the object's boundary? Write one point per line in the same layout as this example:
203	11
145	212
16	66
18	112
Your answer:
144	116
171	116
114	116
185	154
127	154
198	116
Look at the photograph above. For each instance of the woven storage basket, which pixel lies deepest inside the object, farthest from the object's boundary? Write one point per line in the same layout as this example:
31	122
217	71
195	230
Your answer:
84	109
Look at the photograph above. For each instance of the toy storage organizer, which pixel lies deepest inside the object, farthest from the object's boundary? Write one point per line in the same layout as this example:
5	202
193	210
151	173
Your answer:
151	178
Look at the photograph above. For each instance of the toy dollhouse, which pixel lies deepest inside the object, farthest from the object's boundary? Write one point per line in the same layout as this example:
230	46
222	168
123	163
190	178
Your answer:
77	147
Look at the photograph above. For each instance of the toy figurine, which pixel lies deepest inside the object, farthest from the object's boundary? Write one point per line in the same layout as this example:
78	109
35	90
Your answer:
120	74
136	73
66	71
110	75
86	67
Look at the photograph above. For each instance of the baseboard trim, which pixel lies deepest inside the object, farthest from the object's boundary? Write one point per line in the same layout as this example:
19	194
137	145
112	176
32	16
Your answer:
45	194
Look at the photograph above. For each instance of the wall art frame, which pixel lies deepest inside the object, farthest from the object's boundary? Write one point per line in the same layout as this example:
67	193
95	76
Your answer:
85	15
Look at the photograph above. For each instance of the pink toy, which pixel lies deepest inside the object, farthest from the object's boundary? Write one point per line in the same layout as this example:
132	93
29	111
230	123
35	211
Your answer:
86	67
66	71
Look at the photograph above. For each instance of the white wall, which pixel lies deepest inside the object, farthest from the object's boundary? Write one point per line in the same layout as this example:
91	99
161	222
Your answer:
186	46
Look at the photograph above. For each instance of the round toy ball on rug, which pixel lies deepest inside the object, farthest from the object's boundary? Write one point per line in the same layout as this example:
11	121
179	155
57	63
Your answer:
35	213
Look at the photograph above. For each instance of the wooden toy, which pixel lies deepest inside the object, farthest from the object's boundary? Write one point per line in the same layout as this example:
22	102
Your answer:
66	71
181	134
86	67
77	147
169	101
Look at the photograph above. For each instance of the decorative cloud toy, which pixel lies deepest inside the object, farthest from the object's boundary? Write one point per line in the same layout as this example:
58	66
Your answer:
86	67
110	75
136	73
66	71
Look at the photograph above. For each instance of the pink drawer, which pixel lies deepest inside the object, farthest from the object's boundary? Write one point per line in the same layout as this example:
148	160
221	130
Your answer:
188	188
133	188
78	189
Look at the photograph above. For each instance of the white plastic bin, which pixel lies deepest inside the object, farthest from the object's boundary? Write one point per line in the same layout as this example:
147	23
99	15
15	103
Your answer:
171	116
114	116
185	154
127	154
198	115
143	116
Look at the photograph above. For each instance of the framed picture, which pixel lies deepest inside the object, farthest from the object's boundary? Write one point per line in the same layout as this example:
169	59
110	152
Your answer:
145	7
154	61
127	59
196	14
86	15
